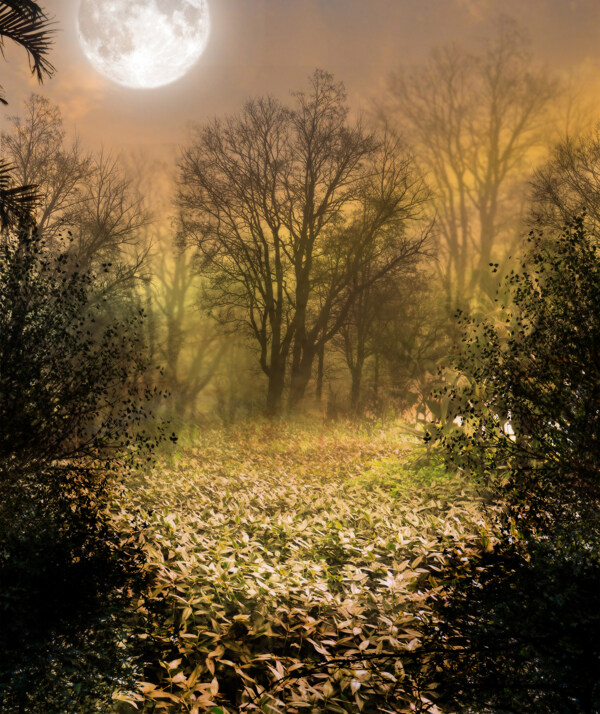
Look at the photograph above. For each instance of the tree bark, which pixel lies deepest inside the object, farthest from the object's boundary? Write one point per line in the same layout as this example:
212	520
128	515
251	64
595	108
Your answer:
356	372
301	377
320	373
275	389
355	389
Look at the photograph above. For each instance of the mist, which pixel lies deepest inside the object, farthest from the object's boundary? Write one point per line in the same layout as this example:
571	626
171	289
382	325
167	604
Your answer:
299	385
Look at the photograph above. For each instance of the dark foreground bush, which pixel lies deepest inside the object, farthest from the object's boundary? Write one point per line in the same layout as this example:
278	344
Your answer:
73	413
525	384
518	627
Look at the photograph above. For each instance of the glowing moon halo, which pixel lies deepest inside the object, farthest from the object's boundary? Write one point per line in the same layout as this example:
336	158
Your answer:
143	43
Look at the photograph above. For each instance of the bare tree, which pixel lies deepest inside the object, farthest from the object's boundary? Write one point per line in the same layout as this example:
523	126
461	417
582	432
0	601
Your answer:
36	147
385	235
281	203
89	196
360	336
475	119
357	337
186	341
108	223
391	340
231	188
569	182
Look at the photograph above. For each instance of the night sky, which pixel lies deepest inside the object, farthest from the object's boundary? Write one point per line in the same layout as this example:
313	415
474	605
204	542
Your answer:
270	46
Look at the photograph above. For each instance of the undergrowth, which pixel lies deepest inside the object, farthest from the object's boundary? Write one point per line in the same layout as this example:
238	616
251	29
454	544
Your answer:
292	570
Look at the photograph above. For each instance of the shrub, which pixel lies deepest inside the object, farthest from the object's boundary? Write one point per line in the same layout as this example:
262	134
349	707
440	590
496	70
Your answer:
73	415
517	624
525	385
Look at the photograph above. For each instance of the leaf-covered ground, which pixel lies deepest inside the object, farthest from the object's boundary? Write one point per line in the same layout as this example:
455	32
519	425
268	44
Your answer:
291	570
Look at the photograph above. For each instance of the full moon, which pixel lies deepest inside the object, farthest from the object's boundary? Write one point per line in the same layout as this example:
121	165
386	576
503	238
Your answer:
143	43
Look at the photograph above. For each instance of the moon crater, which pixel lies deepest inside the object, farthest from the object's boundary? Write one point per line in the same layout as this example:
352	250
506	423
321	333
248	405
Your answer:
143	43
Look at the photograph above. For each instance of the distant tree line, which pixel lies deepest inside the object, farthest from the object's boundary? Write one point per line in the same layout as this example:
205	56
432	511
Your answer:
316	260
329	242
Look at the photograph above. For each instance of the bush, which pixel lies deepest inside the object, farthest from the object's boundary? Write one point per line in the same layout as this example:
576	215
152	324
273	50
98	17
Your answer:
525	385
73	415
517	625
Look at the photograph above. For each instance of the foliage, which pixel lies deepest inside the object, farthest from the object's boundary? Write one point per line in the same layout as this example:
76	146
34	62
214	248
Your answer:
65	617
73	419
521	413
525	390
16	201
290	571
517	626
68	361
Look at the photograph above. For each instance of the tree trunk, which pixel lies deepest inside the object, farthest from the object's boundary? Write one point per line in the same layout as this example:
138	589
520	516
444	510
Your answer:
301	377
356	384
275	389
320	373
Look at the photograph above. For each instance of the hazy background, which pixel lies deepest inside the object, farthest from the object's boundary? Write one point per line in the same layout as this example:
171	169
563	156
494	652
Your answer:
120	147
286	300
259	46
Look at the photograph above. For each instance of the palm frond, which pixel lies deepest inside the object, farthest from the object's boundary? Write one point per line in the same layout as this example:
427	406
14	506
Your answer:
26	24
16	202
28	6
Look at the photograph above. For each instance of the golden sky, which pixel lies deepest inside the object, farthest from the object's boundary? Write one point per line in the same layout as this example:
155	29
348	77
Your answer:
270	46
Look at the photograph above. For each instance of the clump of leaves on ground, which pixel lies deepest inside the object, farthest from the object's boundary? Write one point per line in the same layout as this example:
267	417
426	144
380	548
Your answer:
293	569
